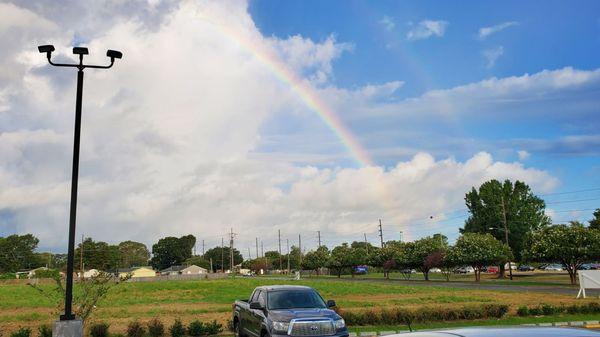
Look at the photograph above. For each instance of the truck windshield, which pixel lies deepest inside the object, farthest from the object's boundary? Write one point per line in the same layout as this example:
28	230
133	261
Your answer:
293	299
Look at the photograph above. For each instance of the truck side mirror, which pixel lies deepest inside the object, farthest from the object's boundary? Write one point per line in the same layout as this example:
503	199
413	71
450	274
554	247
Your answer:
330	303
256	305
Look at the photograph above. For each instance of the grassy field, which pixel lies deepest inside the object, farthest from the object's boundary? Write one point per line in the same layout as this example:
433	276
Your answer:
21	305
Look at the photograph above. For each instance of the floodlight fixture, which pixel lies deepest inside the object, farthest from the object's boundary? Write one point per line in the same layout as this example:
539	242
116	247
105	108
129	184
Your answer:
114	54
80	51
47	48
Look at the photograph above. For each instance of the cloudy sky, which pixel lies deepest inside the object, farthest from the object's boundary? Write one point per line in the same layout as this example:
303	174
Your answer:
294	116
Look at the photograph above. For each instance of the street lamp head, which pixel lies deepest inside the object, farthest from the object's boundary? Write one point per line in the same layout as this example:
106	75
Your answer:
47	48
80	51
114	54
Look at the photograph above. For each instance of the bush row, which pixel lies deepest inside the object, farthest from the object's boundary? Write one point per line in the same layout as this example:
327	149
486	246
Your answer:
154	328
548	309
390	316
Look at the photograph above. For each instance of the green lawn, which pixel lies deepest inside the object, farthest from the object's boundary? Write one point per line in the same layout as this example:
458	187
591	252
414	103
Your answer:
21	305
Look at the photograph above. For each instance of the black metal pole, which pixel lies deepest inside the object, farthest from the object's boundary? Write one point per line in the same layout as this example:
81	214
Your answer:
74	181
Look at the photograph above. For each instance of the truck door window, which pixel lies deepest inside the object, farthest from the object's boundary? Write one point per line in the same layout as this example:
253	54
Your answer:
255	296
261	299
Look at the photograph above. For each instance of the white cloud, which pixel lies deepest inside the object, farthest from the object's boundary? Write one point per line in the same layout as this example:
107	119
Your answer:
387	23
492	55
523	155
314	60
426	29
484	32
170	133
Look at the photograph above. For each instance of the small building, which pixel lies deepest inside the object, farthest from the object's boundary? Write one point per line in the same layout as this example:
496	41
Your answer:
193	270
136	272
172	270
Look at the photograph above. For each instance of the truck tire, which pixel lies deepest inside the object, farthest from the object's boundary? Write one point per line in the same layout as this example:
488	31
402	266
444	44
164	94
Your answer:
236	328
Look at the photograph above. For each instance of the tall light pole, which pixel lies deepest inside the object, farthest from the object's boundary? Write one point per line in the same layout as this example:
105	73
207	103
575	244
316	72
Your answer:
113	54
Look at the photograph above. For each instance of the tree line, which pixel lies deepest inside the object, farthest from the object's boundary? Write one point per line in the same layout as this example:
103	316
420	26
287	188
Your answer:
499	212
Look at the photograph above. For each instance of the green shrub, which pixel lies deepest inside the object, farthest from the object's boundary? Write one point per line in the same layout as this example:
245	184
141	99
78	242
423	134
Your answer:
22	332
591	308
44	330
535	311
46	273
213	328
495	310
99	330
8	276
156	328
523	311
177	329
135	329
195	328
548	309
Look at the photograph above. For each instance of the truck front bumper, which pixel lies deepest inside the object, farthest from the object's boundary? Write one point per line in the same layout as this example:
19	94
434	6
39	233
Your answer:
343	333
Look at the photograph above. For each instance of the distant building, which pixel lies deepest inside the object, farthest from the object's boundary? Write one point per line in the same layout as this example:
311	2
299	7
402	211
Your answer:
172	270
91	273
29	273
136	272
183	270
193	270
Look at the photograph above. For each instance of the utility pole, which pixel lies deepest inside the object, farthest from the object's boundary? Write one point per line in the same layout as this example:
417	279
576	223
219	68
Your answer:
202	247
287	242
249	257
279	236
211	266
366	244
300	247
262	249
319	235
81	257
231	251
222	256
401	236
257	248
380	233
506	235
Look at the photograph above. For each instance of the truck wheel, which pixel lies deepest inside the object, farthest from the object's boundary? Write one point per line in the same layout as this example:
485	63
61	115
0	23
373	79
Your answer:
236	329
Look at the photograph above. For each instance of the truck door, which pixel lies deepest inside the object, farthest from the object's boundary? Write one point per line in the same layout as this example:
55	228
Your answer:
247	318
259	315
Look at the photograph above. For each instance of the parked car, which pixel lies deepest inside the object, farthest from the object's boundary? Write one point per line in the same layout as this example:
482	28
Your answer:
589	266
408	271
525	267
435	270
283	310
554	267
464	270
491	270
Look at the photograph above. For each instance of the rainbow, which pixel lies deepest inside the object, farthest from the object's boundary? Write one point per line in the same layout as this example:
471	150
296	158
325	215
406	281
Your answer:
300	86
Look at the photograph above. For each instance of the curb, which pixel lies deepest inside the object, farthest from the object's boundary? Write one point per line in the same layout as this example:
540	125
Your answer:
579	324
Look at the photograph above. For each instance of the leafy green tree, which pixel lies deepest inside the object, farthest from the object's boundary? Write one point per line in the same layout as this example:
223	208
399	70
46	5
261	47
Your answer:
571	245
273	257
199	261
384	258
97	255
494	202
217	253
595	222
133	254
17	252
172	251
418	251
479	250
317	259
338	260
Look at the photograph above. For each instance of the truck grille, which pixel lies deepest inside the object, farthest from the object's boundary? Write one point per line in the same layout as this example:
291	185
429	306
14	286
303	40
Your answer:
311	328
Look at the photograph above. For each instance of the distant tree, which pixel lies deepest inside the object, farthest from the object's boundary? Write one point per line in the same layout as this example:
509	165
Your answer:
438	259
339	258
133	254
493	200
571	245
172	251
17	252
317	259
595	222
479	250
384	258
273	258
217	253
416	255
198	260
97	255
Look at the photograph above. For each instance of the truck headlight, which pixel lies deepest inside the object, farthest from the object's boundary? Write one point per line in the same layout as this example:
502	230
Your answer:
339	324
280	326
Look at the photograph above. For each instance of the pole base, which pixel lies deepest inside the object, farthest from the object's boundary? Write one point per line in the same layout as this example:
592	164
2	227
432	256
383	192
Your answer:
67	328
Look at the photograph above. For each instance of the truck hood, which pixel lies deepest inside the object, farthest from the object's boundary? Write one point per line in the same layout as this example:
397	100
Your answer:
286	315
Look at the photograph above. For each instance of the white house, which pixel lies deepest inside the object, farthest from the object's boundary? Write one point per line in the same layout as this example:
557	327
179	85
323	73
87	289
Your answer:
193	270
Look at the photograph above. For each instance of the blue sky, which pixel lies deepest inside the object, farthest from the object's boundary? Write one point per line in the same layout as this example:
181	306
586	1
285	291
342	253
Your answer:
193	131
531	37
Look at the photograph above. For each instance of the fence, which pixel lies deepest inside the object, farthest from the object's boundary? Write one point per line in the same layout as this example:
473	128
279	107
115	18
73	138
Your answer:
181	277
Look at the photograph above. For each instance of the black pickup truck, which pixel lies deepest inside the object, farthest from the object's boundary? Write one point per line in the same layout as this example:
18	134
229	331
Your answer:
298	311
